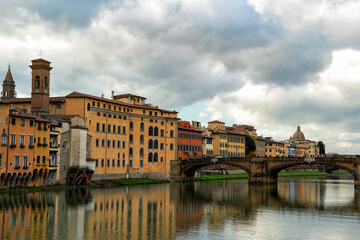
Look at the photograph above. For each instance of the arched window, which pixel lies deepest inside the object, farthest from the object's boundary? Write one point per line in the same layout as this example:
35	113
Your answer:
150	157
150	144
131	138
155	157
37	82
142	126
88	106
130	152
141	152
141	139
156	131
131	126
45	82
156	144
151	131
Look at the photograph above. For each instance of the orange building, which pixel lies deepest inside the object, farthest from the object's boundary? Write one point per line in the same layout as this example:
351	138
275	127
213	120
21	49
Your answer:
189	141
125	135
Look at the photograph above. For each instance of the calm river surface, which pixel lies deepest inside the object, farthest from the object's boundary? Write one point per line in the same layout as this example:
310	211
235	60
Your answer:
327	208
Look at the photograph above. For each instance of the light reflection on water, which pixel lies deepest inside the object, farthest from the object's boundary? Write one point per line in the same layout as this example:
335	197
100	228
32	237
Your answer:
324	208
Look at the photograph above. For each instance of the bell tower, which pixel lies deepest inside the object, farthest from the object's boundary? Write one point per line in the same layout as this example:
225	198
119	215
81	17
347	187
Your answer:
8	90
40	87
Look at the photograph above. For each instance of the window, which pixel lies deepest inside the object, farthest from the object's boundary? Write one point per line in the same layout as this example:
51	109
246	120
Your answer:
88	107
118	144
118	163
151	131
142	126
113	161
97	142
130	161
171	146
102	163
109	143
141	163
124	144
103	142
123	162
150	144
97	127
155	157
161	146
93	104
141	152
58	106
22	122
156	131
1	160
109	128
38	160
43	159
150	157
141	139
131	138
130	152
98	104
108	163
96	163
13	121
131	126
17	164
25	161
103	127
114	129
119	129
162	133
172	133
114	144
156	144
37	82
22	140
12	139
124	130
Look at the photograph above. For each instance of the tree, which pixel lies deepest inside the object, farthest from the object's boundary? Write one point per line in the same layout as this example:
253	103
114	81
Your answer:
321	147
249	145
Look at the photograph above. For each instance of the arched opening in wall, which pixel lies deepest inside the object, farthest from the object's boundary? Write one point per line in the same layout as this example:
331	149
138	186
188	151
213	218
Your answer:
2	178
156	131
45	82
221	171
323	169
151	131
37	82
88	107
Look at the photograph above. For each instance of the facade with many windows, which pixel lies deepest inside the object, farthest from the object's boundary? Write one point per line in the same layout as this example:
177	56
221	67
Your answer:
189	141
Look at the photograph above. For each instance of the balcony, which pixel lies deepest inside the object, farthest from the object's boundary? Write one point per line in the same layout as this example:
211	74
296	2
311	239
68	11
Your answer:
12	145
22	146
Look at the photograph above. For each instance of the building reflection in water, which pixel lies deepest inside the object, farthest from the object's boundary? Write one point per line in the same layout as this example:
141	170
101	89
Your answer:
161	211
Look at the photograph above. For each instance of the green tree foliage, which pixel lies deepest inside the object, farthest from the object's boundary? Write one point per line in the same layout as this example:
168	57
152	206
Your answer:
321	147
249	144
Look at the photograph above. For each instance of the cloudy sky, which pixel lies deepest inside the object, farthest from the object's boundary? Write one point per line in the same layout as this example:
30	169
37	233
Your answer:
272	64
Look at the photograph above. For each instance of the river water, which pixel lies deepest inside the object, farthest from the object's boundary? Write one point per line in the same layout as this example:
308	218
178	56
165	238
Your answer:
324	208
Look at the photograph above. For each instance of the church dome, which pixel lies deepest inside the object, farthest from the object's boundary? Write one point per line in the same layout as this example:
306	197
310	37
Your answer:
299	135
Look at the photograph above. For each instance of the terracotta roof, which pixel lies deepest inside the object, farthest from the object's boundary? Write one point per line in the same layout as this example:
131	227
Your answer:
216	121
261	139
29	115
81	95
62	117
190	129
128	95
28	100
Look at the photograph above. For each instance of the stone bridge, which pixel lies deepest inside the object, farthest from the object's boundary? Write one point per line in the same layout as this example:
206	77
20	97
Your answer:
263	170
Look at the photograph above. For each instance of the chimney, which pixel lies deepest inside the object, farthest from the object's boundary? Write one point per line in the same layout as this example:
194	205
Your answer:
102	95
112	95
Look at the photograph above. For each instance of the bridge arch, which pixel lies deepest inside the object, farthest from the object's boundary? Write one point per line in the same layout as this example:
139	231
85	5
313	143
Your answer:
274	171
190	166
